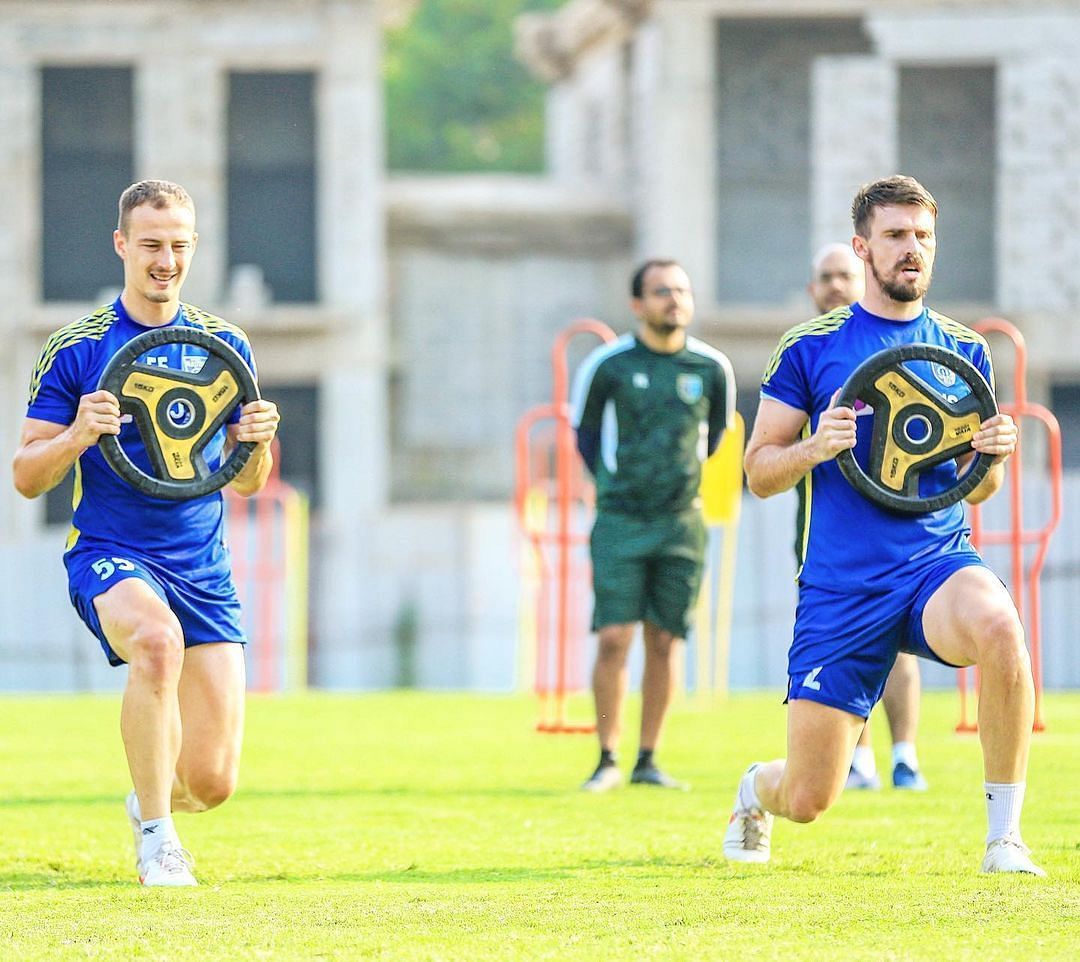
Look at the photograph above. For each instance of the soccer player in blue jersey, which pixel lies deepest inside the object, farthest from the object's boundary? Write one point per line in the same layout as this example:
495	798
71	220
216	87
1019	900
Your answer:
873	582
648	410
836	281
150	578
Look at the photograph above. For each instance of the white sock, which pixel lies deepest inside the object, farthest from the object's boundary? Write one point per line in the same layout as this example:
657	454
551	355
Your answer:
1003	804
158	833
862	760
748	797
905	752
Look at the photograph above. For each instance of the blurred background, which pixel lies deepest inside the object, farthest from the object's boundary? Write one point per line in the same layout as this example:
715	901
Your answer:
403	202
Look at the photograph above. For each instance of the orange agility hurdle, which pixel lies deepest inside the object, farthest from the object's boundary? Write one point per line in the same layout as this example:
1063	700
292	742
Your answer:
553	500
1024	580
268	540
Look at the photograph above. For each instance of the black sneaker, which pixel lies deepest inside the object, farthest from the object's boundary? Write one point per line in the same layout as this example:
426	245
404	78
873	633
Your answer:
651	775
604	779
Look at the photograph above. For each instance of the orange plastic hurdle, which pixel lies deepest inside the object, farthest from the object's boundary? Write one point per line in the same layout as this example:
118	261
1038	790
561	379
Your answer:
1024	581
553	499
268	539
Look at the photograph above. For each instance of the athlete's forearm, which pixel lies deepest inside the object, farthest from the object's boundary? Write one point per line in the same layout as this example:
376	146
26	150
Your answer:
773	468
252	478
989	485
40	465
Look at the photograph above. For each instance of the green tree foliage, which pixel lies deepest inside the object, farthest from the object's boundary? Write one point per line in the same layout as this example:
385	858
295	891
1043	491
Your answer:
456	99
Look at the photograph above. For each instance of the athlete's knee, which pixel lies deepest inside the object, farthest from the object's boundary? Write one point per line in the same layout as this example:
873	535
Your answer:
805	803
613	644
209	788
999	639
659	643
156	649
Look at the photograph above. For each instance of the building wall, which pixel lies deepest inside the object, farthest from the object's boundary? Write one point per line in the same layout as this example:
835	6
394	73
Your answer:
181	52
439	299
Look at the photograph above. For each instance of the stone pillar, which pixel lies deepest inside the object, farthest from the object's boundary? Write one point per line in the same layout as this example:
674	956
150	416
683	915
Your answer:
354	446
20	244
675	143
853	137
351	215
1038	245
180	118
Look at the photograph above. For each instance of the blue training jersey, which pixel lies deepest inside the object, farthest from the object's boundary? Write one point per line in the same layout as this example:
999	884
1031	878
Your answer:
844	541
185	536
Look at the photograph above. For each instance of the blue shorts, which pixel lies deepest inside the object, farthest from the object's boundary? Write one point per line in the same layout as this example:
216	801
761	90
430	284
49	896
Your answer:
845	642
204	602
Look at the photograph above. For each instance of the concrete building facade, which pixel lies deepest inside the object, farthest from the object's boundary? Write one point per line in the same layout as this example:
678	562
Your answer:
405	323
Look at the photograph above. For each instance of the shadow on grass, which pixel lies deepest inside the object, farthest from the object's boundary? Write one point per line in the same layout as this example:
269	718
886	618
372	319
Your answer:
415	875
299	792
51	881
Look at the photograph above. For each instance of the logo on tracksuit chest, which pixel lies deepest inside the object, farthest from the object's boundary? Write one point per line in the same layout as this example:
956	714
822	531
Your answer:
689	387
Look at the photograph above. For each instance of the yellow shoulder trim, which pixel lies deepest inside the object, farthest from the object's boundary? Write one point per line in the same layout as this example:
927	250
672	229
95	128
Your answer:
816	326
92	326
212	323
960	331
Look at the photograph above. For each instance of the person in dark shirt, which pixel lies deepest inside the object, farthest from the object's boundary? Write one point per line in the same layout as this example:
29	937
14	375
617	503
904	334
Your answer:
648	410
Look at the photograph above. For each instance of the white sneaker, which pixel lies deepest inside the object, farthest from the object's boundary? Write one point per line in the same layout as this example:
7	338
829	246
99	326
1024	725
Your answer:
748	831
1009	854
604	779
131	806
171	867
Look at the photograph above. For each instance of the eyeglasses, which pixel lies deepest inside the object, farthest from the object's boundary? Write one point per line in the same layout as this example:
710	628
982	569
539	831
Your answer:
671	292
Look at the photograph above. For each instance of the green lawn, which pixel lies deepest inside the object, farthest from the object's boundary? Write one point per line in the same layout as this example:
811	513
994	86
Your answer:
424	826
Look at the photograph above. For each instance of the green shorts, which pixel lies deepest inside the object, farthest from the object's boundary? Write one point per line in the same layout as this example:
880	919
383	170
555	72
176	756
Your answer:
647	570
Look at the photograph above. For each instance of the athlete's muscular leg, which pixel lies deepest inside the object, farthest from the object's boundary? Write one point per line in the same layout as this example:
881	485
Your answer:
610	680
865	741
971	620
143	631
901	698
820	742
657	682
212	687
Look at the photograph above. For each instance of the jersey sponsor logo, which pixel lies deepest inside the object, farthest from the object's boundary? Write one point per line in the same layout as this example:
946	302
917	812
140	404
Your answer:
689	387
641	380
810	681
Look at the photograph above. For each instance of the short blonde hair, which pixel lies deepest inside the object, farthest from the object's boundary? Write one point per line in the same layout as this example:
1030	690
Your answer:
156	193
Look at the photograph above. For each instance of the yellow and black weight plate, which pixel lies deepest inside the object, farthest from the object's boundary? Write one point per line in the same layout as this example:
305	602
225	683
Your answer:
177	413
915	427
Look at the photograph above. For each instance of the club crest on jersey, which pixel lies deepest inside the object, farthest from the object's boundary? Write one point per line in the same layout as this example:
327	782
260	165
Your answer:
945	377
641	380
193	364
689	387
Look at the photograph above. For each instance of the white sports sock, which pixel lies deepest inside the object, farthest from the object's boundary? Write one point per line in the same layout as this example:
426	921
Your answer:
1004	802
905	752
157	834
748	797
862	760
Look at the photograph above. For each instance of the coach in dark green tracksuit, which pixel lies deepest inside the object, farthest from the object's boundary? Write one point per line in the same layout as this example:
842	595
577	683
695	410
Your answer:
648	409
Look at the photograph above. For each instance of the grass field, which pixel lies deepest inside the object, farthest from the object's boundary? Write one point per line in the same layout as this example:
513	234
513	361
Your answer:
424	826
